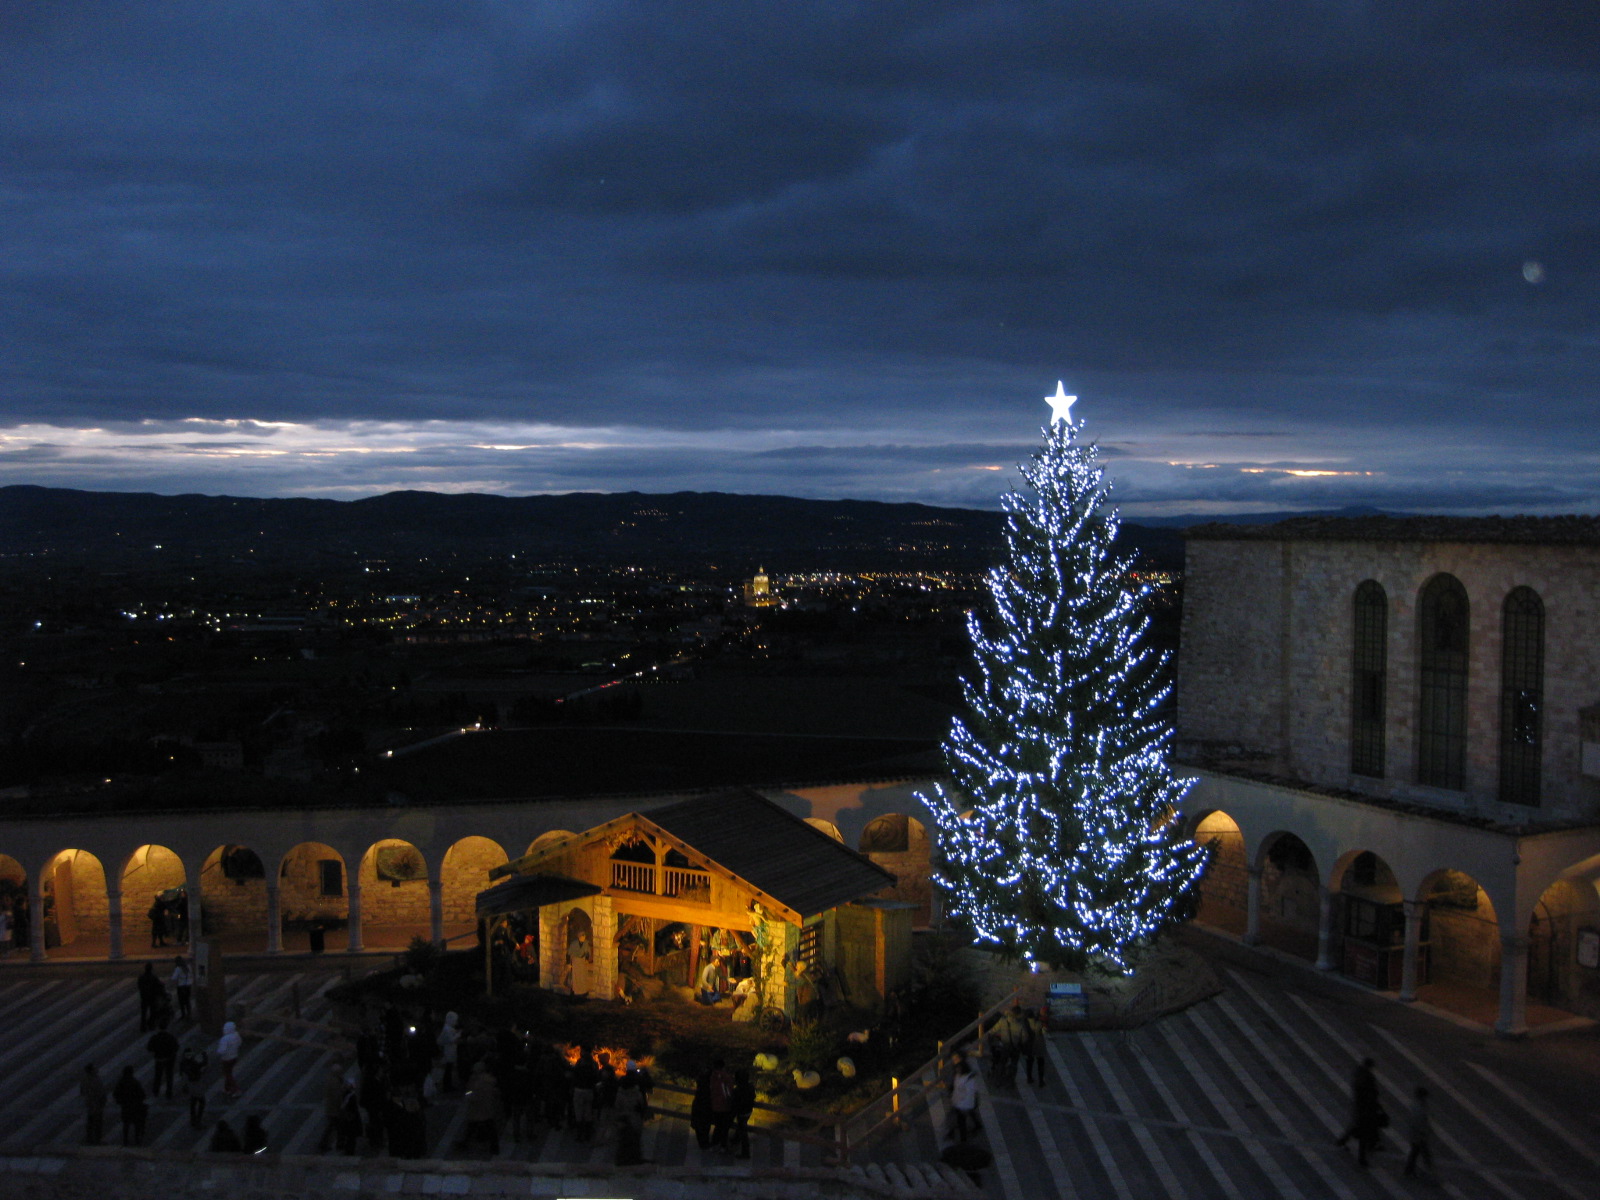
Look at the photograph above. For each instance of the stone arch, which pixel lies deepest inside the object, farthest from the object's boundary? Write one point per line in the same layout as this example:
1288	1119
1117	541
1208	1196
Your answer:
547	838
1461	930
14	899
395	903
1568	910
155	898
1371	928
463	873
313	891
233	892
1291	894
1224	891
76	904
827	827
899	843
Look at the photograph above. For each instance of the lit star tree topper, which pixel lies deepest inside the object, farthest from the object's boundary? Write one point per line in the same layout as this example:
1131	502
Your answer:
1058	839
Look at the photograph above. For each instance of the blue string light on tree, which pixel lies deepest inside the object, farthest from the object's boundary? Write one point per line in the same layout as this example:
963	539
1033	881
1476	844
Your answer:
1058	837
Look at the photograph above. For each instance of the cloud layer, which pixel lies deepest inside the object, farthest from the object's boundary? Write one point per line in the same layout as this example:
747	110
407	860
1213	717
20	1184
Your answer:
840	249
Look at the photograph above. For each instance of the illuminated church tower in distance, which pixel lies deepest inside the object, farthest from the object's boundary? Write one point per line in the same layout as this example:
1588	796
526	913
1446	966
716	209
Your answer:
758	592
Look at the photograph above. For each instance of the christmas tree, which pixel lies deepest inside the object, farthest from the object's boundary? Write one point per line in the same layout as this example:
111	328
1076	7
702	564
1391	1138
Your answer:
1058	841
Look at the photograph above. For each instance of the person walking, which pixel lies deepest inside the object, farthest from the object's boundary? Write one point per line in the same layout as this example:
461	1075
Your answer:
129	1095
744	1104
1419	1131
163	1047
93	1090
1367	1117
964	1100
192	1070
721	1104
150	994
229	1046
1033	1047
183	987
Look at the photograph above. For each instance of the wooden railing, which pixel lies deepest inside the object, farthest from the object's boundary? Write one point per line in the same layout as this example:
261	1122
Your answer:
633	877
685	884
889	1110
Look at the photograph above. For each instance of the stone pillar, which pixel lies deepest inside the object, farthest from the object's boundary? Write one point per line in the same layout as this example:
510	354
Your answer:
35	921
114	916
1415	911
353	925
1513	1022
196	908
1327	914
436	912
551	956
603	940
1252	921
274	921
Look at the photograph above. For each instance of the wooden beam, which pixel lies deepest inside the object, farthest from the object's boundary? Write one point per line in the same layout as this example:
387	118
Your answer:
638	904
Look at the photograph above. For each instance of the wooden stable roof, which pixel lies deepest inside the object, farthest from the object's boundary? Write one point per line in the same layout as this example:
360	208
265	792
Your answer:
741	834
773	850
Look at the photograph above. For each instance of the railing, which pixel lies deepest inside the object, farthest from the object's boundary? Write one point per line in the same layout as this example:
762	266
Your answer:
889	1110
685	884
633	877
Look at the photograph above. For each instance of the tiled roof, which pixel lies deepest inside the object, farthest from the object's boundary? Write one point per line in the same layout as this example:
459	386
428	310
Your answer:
1531	531
772	849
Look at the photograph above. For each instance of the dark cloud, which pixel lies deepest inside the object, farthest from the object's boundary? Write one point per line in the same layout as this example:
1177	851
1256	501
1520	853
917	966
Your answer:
903	220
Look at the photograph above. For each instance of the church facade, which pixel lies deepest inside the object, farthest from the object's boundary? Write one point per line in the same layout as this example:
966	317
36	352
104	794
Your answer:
1393	728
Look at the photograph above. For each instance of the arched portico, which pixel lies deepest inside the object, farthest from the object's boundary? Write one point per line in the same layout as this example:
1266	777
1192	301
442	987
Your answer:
1372	920
463	873
74	905
898	843
309	891
14	902
1225	886
233	894
155	899
1285	910
396	894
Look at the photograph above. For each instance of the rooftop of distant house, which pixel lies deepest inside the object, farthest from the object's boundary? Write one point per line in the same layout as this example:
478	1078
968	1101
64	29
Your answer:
1571	530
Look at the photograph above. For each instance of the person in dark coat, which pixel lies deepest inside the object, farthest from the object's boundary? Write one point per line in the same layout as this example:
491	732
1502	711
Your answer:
192	1070
631	1102
163	1047
744	1104
1367	1117
129	1095
721	1088
254	1138
150	995
224	1140
158	924
700	1111
93	1090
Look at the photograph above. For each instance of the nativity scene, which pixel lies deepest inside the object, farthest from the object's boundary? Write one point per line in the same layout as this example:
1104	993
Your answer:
726	900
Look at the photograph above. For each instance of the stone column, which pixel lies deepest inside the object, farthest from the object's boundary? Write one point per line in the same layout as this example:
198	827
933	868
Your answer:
353	925
1513	1022
1252	921
35	921
551	956
603	942
274	921
196	908
436	912
1327	913
114	916
1415	911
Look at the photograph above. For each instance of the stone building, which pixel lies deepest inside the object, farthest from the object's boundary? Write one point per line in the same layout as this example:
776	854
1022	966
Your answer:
1393	726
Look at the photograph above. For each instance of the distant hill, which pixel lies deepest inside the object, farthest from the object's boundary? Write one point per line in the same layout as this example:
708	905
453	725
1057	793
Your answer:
781	532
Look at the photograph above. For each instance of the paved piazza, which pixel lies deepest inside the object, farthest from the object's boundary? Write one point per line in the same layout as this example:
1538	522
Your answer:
1239	1097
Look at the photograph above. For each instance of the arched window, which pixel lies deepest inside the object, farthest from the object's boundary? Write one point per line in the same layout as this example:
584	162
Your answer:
1521	696
1442	721
1369	664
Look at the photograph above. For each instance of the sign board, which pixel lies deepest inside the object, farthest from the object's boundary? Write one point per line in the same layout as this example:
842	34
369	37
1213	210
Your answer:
1066	1004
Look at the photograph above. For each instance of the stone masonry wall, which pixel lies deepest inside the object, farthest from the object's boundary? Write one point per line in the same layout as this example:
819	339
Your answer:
1266	659
466	873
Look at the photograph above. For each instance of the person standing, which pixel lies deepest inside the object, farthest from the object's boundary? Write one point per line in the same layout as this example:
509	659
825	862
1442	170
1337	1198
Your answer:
93	1090
449	1040
700	1111
229	1046
1033	1047
721	1104
964	1100
483	1109
192	1070
585	1079
1419	1131
183	986
150	991
158	923
129	1095
631	1104
1367	1117
163	1047
744	1104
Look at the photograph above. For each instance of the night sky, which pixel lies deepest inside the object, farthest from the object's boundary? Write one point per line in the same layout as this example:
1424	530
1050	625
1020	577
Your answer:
1289	255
